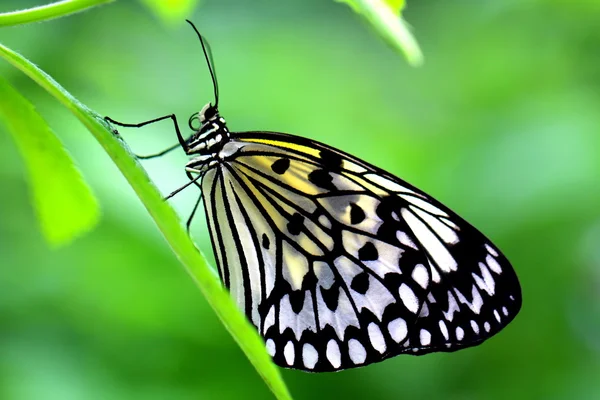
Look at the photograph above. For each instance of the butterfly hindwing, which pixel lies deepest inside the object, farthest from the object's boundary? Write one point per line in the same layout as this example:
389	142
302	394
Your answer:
340	264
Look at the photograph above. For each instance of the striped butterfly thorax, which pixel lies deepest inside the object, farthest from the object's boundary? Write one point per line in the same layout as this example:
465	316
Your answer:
336	262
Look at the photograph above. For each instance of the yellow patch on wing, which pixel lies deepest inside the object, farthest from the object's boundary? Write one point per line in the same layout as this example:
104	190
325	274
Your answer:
287	145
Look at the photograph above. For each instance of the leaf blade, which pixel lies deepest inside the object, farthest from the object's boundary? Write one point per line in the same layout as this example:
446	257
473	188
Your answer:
65	204
385	17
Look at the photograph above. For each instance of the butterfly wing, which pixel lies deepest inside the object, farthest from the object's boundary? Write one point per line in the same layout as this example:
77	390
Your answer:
340	264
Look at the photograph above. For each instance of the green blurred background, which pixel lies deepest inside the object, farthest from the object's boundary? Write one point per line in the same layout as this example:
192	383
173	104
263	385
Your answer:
502	124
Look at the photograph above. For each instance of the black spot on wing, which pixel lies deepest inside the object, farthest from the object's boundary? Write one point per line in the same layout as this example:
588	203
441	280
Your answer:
331	160
322	179
280	166
331	296
297	300
265	241
360	283
368	252
295	224
357	215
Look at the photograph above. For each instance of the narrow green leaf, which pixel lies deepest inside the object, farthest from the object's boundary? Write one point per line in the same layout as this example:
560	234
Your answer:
172	11
385	17
169	224
48	11
65	205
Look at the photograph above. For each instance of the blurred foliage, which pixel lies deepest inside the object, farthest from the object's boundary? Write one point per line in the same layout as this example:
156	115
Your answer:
172	11
500	124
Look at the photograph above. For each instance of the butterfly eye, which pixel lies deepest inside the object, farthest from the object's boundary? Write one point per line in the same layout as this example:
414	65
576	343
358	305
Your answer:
208	113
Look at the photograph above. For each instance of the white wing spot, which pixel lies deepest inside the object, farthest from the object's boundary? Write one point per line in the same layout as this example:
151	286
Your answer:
333	354
397	329
421	276
505	311
270	347
475	327
288	353
493	264
324	221
452	307
460	334
424	311
497	315
409	298
450	223
430	298
356	351
405	240
491	250
425	337
444	329
309	355
435	276
376	337
486	326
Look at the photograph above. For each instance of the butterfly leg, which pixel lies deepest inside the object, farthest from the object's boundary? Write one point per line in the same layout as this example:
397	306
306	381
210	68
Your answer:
179	189
191	217
182	143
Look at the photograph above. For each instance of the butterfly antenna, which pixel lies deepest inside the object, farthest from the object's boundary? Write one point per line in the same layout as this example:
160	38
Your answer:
209	61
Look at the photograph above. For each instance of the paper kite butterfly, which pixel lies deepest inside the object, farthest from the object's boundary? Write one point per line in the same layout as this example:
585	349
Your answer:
337	263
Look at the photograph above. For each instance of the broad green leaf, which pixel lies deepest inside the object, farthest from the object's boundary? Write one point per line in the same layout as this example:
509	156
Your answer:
172	11
169	224
64	203
385	17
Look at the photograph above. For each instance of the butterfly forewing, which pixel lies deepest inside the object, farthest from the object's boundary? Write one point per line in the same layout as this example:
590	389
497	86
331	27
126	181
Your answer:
340	264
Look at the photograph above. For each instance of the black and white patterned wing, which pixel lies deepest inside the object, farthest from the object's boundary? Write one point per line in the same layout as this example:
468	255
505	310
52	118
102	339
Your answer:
339	264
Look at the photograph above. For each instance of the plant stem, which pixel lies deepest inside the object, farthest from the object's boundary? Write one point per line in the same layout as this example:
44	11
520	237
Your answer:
48	11
169	224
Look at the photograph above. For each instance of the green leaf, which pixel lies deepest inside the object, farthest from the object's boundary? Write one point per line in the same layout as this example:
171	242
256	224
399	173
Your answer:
172	11
64	203
385	17
48	11
169	224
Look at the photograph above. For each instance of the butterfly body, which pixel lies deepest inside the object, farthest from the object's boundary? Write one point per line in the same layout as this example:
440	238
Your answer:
338	263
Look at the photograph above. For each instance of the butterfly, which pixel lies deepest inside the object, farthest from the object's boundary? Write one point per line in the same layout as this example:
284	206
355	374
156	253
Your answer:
338	263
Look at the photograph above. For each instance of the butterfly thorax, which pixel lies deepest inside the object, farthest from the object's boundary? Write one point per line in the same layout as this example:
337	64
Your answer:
208	140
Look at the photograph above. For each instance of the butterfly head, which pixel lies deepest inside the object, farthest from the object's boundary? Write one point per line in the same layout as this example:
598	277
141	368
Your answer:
208	138
208	113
